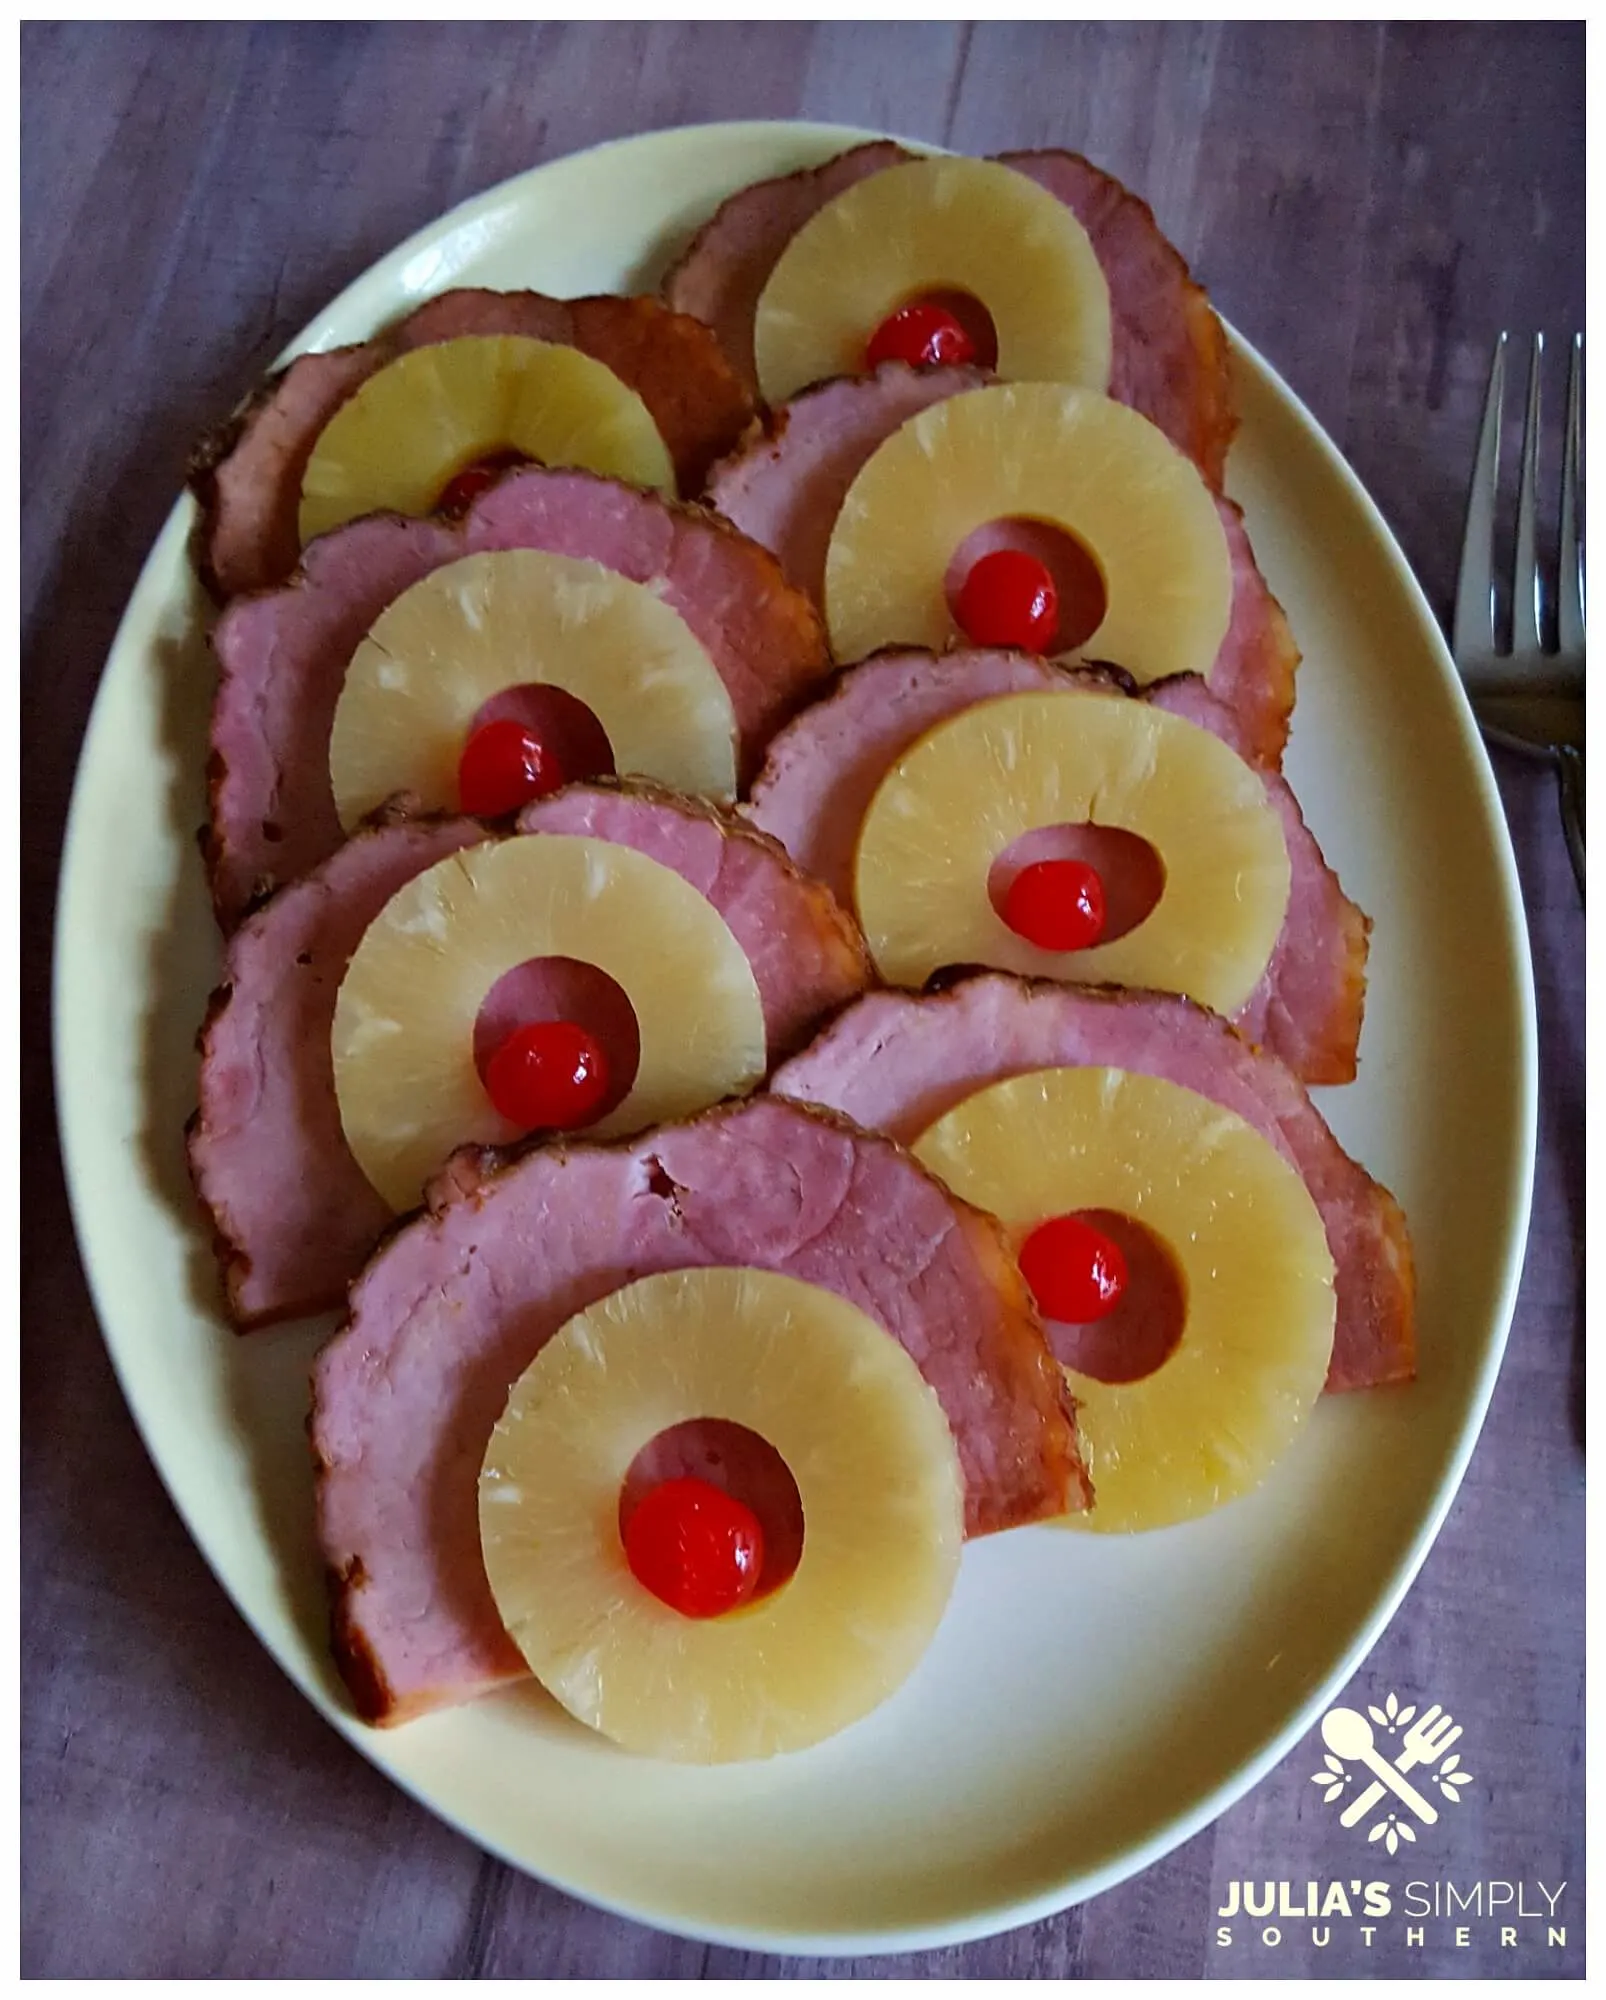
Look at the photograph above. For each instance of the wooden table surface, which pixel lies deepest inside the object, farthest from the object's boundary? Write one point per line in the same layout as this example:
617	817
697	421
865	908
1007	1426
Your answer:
1369	205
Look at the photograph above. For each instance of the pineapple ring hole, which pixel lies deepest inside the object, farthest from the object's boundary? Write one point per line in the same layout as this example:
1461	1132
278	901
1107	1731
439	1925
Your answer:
1130	870
564	989
971	314
739	1462
565	725
1143	1329
1078	579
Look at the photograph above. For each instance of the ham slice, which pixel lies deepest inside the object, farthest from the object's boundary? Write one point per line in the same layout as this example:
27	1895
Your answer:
457	1304
786	488
896	1062
823	769
1169	351
247	475
293	1215
283	655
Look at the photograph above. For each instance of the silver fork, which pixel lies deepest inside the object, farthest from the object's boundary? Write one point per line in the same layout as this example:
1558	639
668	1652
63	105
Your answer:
1528	699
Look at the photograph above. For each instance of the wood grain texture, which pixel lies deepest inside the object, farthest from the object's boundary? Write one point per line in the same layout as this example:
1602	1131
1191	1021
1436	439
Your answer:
1369	204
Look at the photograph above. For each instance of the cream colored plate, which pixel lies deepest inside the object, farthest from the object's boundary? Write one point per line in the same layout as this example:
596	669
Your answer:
1089	1702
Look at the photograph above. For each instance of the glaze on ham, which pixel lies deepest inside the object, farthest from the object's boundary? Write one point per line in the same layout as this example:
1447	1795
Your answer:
282	656
293	1216
896	1062
823	770
1169	352
248	474
786	488
460	1301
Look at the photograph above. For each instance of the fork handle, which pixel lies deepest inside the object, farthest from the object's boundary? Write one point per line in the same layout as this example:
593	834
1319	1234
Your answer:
1570	767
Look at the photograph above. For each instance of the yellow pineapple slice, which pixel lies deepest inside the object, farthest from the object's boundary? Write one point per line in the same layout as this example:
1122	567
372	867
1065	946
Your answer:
876	1469
522	616
975	783
417	422
403	1038
1210	1422
936	226
1040	452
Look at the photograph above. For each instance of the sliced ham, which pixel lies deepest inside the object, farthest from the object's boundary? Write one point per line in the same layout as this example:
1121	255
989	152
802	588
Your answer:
1169	352
807	954
823	769
1309	1004
785	489
293	1215
457	1304
896	1062
282	655
248	474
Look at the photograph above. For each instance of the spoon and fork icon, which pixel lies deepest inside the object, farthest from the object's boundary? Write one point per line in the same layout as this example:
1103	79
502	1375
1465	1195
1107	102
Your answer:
1349	1736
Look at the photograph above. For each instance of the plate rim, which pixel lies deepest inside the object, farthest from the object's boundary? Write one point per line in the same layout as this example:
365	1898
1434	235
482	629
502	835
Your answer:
1001	1915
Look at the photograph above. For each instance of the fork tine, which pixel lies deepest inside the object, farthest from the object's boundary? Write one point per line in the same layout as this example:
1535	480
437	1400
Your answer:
1570	593
1473	633
1525	606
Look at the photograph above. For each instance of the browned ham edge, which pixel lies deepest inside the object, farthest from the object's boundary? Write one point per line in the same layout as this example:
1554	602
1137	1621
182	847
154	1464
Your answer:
1169	350
455	1307
897	1062
247	474
282	654
292	1214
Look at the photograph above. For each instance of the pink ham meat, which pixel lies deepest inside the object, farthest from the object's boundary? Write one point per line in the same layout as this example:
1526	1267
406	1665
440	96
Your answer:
293	1215
808	955
248	474
456	1306
823	769
282	656
1169	352
785	490
896	1062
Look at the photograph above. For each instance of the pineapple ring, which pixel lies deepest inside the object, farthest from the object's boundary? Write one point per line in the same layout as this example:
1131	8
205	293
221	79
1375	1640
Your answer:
476	627
876	1468
901	233
1256	1268
1035	451
1002	768
403	1037
419	420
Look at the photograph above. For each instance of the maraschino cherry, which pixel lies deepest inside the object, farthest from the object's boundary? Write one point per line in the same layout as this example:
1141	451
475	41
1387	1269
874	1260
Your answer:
925	336
503	767
1056	905
548	1076
695	1547
1009	599
1076	1272
459	494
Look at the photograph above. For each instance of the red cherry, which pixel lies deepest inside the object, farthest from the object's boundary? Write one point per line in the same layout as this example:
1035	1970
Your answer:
1056	905
504	766
1075	1271
459	494
548	1076
1009	599
925	336
695	1547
